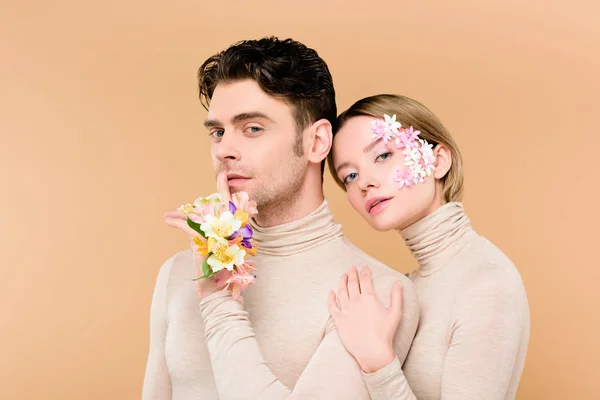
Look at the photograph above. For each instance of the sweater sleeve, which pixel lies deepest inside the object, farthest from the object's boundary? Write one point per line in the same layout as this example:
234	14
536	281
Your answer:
241	372
157	382
488	318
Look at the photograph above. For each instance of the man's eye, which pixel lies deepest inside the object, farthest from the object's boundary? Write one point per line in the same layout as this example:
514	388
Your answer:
255	129
217	133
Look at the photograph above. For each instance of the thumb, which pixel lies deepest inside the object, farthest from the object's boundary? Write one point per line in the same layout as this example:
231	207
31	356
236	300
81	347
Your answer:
396	302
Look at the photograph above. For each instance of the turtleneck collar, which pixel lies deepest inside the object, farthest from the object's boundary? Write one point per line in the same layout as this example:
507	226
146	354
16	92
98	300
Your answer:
437	238
297	236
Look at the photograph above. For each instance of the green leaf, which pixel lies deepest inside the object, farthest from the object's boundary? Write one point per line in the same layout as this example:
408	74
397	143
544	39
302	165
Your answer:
211	274
206	268
195	226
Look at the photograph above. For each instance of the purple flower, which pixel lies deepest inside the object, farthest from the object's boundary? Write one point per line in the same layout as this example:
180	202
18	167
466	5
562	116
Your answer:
245	231
232	208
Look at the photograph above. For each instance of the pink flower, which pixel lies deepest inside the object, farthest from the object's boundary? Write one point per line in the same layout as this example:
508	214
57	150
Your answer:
242	201
238	283
380	132
206	206
408	138
404	178
411	134
237	280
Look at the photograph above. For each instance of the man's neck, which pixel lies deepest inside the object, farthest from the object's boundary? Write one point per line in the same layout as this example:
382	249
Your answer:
289	210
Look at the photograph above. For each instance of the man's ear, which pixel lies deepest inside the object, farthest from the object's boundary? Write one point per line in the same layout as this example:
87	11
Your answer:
443	161
321	140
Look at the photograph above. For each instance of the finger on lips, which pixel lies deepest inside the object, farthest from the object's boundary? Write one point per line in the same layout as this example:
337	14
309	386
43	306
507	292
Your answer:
223	187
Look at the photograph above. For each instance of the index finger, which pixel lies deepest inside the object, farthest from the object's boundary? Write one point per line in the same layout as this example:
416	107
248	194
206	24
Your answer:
223	187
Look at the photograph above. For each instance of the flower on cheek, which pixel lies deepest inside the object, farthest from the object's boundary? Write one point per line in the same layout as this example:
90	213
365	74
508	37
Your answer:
404	178
418	153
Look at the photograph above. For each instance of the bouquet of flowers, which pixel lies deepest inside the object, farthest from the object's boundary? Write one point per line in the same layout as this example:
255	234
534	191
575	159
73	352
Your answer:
224	238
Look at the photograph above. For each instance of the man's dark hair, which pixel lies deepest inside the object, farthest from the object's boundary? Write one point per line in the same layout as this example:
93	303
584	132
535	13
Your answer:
285	69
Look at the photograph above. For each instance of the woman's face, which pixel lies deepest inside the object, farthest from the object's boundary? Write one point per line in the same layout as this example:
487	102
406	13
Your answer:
368	167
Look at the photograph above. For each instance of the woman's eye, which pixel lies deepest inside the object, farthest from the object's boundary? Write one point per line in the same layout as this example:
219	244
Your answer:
350	177
383	156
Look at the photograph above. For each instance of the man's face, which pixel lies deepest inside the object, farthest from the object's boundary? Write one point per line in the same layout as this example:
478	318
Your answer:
253	136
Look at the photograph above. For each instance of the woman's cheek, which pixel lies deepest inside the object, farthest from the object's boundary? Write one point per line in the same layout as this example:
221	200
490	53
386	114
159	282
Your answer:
353	198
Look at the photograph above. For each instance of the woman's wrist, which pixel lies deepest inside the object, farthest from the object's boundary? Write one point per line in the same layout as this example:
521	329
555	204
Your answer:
376	359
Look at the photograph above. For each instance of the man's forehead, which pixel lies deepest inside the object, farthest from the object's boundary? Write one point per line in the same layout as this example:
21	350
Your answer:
242	97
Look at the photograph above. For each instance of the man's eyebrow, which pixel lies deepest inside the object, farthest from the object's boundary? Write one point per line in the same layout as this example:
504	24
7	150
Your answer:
250	115
211	123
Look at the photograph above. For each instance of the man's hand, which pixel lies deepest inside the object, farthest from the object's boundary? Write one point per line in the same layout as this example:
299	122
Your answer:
177	219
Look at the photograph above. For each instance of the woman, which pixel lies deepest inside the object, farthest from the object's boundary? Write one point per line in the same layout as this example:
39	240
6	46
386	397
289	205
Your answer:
402	170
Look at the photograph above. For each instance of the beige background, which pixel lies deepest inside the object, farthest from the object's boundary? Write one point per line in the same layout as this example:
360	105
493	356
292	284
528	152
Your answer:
100	131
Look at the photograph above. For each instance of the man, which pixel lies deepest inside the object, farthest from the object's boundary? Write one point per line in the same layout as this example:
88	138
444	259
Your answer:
271	106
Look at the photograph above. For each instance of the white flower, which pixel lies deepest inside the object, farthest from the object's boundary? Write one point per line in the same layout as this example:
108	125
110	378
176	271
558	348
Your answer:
411	156
391	125
220	227
225	256
214	199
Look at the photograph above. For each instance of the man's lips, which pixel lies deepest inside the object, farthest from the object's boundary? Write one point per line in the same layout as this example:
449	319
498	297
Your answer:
235	176
236	179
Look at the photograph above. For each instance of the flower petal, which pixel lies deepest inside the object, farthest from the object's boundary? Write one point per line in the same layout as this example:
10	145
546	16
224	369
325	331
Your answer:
246	232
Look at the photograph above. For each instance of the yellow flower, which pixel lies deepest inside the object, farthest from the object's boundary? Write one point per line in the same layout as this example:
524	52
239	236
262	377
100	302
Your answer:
186	208
202	246
242	216
251	251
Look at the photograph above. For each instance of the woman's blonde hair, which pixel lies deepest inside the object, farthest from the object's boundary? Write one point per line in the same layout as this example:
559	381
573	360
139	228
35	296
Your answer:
409	112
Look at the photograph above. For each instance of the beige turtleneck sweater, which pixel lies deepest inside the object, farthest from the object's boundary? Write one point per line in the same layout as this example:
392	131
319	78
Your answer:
474	324
280	343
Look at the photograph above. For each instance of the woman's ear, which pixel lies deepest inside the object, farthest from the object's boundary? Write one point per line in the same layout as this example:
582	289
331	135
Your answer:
443	161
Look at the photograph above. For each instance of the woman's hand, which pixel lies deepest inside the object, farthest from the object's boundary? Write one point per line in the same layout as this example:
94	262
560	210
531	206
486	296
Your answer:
365	325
